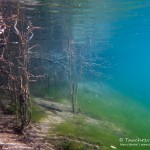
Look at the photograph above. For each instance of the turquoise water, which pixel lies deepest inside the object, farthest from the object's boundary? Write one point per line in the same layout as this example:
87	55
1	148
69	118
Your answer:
116	30
111	41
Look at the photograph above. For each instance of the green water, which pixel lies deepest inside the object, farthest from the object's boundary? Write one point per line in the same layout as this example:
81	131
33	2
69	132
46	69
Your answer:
105	103
121	117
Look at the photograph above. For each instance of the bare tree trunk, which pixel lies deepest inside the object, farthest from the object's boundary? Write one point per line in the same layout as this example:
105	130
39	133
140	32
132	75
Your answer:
73	78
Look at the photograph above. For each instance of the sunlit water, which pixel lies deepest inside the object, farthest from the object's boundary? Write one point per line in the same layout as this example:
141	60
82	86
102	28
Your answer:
120	30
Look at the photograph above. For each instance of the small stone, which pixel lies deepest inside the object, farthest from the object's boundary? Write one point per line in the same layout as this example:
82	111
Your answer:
113	147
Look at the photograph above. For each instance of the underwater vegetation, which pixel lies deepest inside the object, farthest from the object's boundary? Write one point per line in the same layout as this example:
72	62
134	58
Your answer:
91	57
104	116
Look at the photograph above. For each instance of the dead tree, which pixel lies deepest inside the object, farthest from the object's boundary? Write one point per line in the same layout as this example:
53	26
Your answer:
72	65
16	31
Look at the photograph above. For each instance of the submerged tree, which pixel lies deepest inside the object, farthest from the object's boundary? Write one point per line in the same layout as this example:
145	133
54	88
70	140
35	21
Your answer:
79	65
68	54
15	50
